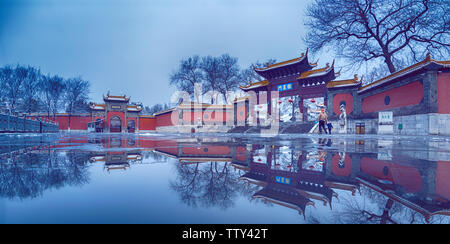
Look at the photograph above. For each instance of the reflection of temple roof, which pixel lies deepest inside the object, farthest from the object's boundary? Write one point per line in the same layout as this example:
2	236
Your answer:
427	210
241	166
116	166
253	178
164	153
315	191
343	186
428	61
187	160
290	199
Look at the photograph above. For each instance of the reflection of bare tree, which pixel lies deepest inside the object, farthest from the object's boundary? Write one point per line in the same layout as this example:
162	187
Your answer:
211	184
186	183
155	156
378	209
28	175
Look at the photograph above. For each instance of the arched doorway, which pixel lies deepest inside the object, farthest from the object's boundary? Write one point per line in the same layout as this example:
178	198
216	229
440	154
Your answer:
131	126
115	124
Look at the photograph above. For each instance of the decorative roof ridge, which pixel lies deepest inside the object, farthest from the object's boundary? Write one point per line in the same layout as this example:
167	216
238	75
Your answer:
98	104
263	82
404	71
124	97
354	81
315	63
308	73
280	64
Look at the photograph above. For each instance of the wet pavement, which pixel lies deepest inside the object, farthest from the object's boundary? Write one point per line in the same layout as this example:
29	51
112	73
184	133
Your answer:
223	178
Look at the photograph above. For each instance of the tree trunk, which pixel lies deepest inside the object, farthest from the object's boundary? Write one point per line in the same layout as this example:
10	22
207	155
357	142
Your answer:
388	61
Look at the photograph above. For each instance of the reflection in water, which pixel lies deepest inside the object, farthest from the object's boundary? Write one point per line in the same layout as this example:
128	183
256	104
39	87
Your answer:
358	182
29	173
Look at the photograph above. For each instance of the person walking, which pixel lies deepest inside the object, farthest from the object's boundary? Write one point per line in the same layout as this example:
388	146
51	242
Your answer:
323	119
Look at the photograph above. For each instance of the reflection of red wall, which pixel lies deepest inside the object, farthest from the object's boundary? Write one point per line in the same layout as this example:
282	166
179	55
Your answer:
207	150
443	180
346	170
241	153
146	143
167	146
405	176
348	98
443	93
147	123
409	94
166	119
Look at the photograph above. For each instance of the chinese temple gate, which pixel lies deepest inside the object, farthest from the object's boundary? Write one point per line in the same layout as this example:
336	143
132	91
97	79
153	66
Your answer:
116	114
295	80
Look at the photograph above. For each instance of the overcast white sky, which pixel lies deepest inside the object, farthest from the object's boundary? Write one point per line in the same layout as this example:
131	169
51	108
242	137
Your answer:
131	47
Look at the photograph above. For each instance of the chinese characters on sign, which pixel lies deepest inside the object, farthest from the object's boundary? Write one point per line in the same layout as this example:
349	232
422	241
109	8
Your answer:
285	87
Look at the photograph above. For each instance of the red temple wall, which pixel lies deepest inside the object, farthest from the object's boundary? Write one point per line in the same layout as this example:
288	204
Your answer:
208	116
443	93
166	119
343	97
77	122
410	94
147	123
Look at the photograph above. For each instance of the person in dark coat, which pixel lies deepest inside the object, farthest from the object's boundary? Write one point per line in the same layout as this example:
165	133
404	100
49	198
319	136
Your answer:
330	126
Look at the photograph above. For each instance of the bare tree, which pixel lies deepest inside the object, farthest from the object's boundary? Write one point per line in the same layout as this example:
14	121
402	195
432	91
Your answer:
211	67
30	91
75	95
52	93
230	75
187	75
12	80
368	30
156	108
249	75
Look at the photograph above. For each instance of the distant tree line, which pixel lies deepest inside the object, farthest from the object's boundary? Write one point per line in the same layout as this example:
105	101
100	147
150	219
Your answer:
156	108
25	89
218	77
